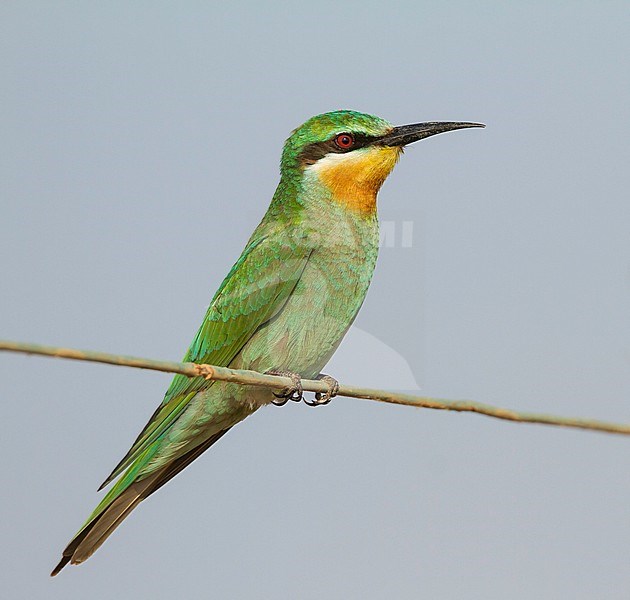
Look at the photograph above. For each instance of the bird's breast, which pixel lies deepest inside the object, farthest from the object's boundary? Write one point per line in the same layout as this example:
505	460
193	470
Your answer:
325	301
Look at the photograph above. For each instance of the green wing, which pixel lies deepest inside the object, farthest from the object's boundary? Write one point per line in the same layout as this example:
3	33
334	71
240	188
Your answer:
254	290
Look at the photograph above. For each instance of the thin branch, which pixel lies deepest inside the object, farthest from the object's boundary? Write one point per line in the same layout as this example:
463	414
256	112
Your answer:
272	381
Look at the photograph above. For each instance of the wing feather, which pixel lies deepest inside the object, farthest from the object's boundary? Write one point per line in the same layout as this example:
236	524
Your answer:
254	291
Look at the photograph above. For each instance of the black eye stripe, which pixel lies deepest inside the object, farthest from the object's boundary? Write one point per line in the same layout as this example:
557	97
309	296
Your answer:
313	152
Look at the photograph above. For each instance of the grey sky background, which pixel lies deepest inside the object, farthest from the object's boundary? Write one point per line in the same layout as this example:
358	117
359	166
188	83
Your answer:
140	148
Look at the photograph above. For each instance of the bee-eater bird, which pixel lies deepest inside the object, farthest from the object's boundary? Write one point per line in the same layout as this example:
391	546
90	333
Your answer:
283	308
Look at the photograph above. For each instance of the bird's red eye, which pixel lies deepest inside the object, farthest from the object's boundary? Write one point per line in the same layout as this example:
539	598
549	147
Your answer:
344	141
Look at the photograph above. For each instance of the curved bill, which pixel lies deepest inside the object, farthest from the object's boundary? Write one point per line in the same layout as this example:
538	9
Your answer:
408	134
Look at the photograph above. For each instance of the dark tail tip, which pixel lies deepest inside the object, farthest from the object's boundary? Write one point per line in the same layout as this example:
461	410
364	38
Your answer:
62	563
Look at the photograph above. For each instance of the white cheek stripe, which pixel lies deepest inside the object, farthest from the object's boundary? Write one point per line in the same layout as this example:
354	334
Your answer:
333	158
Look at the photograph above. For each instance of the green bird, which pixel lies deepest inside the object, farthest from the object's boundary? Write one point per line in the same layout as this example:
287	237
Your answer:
283	308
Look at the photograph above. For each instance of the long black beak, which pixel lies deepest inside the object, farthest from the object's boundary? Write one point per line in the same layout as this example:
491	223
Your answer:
407	134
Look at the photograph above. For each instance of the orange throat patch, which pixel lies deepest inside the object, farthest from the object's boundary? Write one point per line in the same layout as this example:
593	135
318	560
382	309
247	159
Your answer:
354	179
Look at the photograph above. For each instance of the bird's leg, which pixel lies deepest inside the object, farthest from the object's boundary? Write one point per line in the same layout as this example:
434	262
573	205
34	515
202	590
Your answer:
295	392
328	395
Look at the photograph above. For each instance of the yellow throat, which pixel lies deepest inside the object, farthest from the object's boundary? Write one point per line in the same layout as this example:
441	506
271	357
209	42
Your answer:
354	179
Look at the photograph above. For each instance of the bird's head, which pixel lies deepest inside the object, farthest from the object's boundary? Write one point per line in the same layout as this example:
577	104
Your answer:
352	153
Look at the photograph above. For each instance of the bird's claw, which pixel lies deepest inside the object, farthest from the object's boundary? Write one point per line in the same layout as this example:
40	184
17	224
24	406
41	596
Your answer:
328	395
294	393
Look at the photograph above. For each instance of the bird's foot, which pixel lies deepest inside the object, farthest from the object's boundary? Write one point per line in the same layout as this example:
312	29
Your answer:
294	393
328	395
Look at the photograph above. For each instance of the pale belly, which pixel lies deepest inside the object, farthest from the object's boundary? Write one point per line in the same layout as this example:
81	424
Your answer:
311	325
301	338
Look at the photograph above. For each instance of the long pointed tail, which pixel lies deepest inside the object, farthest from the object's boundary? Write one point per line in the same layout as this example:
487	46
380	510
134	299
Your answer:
89	539
113	513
